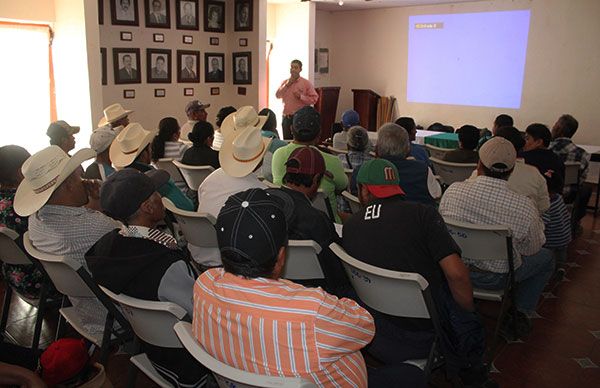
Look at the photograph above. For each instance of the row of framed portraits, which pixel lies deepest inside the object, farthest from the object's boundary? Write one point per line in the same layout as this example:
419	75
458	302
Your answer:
127	66
158	14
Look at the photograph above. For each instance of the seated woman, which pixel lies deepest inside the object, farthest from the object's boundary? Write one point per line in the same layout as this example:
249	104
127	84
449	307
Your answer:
201	153
221	115
167	145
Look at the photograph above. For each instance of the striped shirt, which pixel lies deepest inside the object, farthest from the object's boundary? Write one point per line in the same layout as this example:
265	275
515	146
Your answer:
175	150
557	221
279	328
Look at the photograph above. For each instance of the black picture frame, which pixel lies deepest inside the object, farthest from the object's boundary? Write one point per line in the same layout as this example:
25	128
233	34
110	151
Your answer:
188	39
103	62
213	41
122	76
243	42
119	17
159	93
158	38
239	78
182	62
100	12
160	18
186	20
126	36
188	92
128	93
154	74
216	75
214	16
243	11
215	91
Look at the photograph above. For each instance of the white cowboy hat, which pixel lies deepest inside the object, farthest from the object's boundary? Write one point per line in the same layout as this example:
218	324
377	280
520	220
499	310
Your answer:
243	118
242	151
129	143
113	113
43	173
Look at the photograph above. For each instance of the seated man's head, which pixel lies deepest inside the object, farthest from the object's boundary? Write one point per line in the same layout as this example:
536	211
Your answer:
222	114
130	196
252	235
377	178
61	134
196	111
502	120
101	139
497	158
271	123
242	151
12	158
537	136
357	139
304	169
513	135
132	144
306	125
392	140
203	133
468	137
565	126
408	123
350	118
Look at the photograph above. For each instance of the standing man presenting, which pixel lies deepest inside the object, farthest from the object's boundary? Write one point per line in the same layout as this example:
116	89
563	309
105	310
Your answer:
295	92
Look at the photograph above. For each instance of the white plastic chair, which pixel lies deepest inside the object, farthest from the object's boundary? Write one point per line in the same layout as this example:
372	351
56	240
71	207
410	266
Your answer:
436	152
152	322
572	173
450	172
193	175
228	376
197	228
321	202
301	262
353	201
167	165
336	151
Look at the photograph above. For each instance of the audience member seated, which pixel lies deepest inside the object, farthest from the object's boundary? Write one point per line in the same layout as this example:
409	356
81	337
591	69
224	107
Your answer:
115	116
502	120
304	170
201	153
140	261
358	153
306	128
350	118
468	136
221	115
61	134
195	112
425	247
63	216
536	153
269	129
488	200
416	151
100	141
166	143
562	145
133	148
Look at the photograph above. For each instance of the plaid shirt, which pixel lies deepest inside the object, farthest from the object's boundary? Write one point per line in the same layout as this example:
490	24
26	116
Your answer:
489	201
354	159
569	152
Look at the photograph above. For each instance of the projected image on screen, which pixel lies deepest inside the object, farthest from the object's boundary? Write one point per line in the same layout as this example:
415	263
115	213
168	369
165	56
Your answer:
468	59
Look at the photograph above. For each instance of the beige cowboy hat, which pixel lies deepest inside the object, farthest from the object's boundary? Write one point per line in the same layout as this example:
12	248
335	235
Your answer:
129	143
43	173
113	113
243	118
242	151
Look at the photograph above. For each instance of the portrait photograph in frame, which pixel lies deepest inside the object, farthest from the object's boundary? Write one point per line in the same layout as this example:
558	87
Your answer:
242	68
214	16
186	12
104	71
126	64
188	66
124	12
214	67
158	66
243	15
158	13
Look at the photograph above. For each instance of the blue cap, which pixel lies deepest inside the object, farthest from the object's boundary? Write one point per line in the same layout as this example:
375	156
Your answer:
350	118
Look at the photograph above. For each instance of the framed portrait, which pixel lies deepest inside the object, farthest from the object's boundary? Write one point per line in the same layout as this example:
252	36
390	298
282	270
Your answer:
160	93
128	93
187	14
188	92
215	91
158	66
100	12
126	63
188	66
124	12
158	13
243	15
242	68
126	36
214	16
103	59
214	67
213	41
158	38
188	39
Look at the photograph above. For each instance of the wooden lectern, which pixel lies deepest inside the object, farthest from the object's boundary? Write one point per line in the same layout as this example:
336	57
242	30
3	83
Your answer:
327	107
365	103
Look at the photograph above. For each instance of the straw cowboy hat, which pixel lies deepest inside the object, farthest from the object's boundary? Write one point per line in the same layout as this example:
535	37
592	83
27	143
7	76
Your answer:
243	118
43	173
113	113
130	142
242	151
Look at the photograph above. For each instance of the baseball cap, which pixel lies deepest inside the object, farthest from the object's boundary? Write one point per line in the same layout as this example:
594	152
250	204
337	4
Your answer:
306	124
498	154
350	118
252	224
102	138
194	106
124	191
381	178
60	129
358	139
63	360
308	160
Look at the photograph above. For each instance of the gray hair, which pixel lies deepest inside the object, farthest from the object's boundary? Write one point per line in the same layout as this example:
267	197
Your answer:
392	140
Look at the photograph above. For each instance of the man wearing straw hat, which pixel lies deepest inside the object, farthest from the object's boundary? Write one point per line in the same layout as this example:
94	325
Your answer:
115	115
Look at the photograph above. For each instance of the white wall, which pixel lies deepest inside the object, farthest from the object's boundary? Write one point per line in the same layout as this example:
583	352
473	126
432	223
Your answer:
37	11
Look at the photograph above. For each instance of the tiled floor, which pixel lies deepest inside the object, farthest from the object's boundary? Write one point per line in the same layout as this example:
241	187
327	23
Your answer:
562	351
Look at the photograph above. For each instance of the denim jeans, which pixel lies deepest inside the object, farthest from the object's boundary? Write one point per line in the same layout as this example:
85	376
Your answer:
530	278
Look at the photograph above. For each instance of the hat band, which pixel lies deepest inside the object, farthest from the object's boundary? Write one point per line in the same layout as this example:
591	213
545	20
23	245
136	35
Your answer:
46	186
131	152
253	158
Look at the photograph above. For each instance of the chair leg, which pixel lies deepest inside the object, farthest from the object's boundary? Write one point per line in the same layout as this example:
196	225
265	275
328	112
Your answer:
105	345
503	309
60	327
5	309
39	319
430	359
133	370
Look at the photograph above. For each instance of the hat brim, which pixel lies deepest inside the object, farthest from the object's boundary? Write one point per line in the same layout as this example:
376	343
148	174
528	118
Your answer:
103	121
234	167
120	159
228	127
385	191
27	201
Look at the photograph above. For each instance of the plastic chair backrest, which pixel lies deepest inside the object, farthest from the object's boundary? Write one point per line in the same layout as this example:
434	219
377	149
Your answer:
167	165
321	202
452	172
481	242
228	376
151	321
302	261
353	201
198	228
10	252
436	152
349	172
391	292
193	175
572	173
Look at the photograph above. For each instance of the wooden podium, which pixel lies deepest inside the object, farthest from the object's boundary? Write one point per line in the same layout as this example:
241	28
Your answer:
327	107
365	103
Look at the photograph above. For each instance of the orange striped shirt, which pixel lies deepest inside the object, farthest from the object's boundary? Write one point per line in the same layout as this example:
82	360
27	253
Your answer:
279	328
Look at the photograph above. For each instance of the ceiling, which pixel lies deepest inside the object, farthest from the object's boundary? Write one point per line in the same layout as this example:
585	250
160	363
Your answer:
349	5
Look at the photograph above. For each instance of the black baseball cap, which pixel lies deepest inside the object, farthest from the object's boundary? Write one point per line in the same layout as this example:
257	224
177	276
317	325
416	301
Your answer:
306	124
